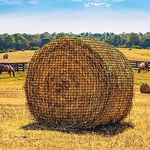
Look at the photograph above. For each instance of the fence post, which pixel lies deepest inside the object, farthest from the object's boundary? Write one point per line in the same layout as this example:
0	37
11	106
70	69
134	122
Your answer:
23	67
17	67
136	64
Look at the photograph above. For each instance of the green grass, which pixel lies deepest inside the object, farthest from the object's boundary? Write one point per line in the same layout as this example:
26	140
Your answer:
141	78
18	81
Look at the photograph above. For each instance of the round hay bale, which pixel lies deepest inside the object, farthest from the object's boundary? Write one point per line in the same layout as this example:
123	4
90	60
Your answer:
79	83
5	56
145	88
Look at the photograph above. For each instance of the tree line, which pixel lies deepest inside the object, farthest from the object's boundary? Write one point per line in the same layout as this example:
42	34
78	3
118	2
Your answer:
35	41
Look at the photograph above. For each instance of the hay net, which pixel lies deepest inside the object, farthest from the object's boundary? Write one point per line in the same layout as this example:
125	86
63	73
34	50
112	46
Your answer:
79	83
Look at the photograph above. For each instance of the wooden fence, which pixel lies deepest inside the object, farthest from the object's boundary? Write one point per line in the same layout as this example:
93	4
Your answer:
22	66
19	67
135	64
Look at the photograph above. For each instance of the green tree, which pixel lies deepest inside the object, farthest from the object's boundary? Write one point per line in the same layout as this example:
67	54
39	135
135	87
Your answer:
132	40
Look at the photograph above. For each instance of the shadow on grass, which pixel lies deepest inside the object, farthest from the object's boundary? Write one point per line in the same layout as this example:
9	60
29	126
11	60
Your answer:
105	130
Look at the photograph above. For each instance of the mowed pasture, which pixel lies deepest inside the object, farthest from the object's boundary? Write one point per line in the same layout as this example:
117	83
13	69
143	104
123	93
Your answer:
18	56
18	130
136	54
25	56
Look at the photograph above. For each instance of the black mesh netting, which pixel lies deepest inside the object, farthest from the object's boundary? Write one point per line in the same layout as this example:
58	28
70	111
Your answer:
79	83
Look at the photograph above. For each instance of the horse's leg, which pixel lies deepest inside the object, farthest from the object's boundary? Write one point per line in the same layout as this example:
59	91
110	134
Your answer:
13	73
147	69
143	70
139	70
9	72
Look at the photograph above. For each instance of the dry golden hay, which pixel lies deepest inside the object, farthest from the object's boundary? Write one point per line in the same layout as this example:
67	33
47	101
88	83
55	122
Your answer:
145	88
79	83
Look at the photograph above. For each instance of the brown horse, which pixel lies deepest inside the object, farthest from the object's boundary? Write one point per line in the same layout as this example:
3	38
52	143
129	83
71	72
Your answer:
7	68
144	66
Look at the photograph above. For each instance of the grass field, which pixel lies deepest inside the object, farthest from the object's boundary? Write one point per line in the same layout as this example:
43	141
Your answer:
19	131
25	56
18	56
136	54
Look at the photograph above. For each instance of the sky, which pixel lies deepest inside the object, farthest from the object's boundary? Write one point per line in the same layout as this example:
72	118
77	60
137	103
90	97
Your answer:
76	16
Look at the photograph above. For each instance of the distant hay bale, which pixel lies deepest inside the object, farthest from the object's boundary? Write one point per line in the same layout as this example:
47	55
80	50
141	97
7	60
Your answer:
79	83
5	56
145	88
